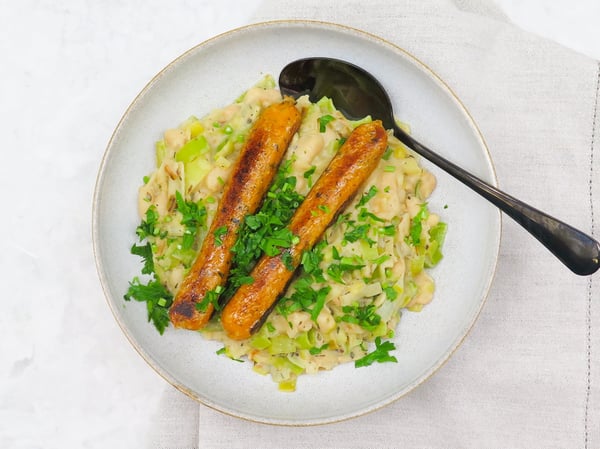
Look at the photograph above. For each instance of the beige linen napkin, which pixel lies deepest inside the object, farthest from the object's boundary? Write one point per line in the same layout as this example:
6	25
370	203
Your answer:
528	375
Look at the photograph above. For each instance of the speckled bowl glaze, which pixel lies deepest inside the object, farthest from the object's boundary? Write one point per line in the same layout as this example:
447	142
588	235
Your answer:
213	74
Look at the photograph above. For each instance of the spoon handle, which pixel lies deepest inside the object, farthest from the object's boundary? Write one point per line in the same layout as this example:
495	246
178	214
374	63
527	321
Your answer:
578	251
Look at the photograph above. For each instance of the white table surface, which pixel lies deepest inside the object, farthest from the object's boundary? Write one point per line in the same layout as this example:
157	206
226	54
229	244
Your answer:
68	377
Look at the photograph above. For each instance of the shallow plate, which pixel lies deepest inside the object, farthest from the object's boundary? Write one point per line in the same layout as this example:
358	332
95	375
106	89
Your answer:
212	75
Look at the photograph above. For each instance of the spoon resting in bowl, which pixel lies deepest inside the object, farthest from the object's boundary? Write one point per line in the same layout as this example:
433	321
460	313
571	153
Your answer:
356	93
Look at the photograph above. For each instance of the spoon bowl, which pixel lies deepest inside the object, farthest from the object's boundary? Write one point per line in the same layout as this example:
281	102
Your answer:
357	94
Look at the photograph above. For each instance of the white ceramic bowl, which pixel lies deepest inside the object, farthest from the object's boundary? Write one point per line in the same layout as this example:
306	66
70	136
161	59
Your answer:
213	74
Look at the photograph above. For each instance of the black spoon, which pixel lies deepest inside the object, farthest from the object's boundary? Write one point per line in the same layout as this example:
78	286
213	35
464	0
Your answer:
356	93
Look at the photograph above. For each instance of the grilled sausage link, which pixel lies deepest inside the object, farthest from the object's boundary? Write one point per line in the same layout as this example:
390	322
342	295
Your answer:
351	166
254	170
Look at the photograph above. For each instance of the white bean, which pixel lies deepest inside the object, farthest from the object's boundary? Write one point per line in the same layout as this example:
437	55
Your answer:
216	177
175	138
264	97
325	320
427	185
309	145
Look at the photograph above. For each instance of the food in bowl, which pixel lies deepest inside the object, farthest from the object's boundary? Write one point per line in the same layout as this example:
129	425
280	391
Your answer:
345	298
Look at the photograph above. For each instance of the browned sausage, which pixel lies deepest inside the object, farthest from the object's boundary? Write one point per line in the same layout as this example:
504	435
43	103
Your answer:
350	167
250	179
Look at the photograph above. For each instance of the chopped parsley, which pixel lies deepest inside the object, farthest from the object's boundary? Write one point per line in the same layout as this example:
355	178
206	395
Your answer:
416	226
211	297
307	294
389	230
358	232
145	252
288	261
148	225
364	199
157	299
379	355
280	238
308	174
219	233
346	264
193	217
365	316
365	215
311	260
323	121
265	231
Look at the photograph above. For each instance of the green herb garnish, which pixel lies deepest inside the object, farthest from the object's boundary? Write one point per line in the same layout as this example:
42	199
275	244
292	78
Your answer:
323	121
387	154
148	225
360	232
365	316
288	261
390	292
365	215
211	297
157	299
389	230
416	225
225	352
347	264
308	175
364	199
280	238
145	252
265	231
219	233
379	355
193	217
307	295
318	349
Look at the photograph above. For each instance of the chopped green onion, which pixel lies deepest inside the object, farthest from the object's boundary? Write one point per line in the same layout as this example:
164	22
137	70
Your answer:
388	152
